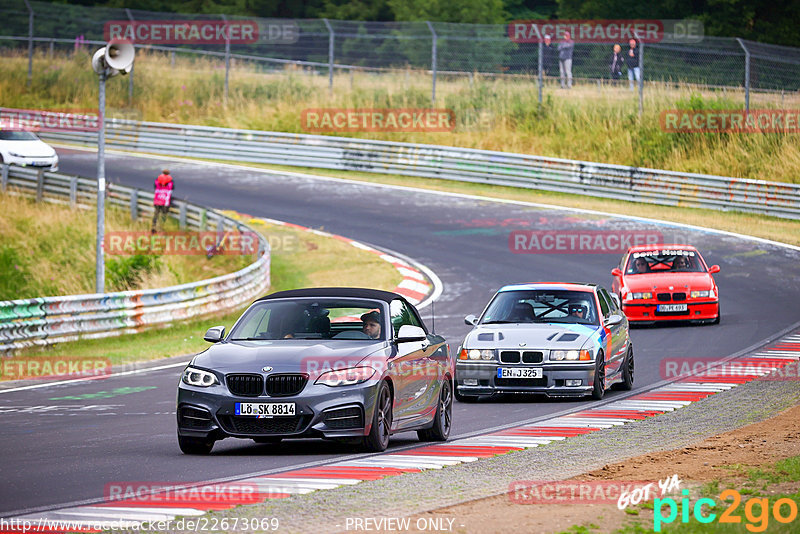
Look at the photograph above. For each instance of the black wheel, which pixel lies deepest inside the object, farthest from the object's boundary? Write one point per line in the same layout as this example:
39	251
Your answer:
599	388
443	420
195	445
378	438
267	441
627	372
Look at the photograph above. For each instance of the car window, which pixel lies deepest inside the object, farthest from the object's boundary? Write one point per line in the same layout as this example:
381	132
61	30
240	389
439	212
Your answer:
402	314
541	306
612	305
17	135
665	260
604	306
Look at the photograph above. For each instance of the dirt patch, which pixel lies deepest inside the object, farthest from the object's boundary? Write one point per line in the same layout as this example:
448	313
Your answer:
725	458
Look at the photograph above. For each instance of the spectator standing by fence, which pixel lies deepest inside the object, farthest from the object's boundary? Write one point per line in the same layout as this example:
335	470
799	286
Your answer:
162	198
549	56
565	49
616	64
632	60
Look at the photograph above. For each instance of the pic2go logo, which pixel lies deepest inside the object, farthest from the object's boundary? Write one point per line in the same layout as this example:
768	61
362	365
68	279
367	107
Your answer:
756	511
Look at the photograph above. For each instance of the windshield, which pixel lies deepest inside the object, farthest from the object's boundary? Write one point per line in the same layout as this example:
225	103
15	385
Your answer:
542	306
660	261
328	318
17	135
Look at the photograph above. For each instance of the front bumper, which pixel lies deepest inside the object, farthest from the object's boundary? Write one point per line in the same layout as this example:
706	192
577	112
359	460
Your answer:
648	311
321	412
552	382
46	163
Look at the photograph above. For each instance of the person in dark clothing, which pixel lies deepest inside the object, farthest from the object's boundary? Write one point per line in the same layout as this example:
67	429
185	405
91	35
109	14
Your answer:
549	56
616	64
565	50
632	61
164	186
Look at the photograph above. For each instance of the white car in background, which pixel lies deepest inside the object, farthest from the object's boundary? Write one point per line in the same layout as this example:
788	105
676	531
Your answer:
20	147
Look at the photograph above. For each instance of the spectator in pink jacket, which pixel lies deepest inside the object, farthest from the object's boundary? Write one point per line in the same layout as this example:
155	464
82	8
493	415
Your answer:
162	197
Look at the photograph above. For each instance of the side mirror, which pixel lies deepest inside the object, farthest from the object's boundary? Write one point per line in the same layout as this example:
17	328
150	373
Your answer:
215	334
613	320
616	271
409	333
713	269
470	320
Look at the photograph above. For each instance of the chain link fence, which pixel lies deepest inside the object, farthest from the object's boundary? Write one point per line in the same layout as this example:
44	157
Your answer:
438	49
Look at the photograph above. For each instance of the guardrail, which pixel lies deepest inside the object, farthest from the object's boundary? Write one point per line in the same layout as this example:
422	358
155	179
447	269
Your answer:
47	320
449	163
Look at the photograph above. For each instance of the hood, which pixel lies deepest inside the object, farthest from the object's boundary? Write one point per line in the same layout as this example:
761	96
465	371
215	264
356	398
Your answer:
545	336
30	149
662	281
285	356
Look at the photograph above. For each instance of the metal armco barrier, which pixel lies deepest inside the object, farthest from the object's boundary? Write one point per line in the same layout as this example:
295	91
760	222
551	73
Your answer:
47	320
450	163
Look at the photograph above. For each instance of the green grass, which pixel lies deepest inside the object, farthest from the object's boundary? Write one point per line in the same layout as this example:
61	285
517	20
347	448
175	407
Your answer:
491	113
303	260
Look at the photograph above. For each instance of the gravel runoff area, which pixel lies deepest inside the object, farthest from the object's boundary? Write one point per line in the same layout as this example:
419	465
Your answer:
414	493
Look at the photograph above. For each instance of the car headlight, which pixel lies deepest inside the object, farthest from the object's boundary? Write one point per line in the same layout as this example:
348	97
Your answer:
199	378
345	377
570	355
646	295
699	294
476	354
16	155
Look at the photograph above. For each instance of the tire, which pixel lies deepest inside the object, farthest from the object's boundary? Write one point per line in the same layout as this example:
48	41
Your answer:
599	386
627	372
443	420
267	441
378	438
195	445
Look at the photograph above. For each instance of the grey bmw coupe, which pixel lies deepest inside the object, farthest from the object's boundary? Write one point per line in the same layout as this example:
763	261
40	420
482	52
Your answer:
334	363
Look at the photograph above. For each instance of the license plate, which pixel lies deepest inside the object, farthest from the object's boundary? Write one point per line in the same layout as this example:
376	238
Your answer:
672	307
525	372
265	409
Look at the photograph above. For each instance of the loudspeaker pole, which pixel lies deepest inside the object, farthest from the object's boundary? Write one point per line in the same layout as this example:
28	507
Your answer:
100	271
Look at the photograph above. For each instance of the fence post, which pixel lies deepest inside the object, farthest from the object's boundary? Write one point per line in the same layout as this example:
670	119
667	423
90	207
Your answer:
52	44
331	37
434	38
130	74
30	42
641	76
227	58
4	176
73	192
182	216
39	185
172	58
541	74
746	75
134	204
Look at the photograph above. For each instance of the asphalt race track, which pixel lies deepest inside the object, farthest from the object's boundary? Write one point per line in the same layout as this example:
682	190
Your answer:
63	444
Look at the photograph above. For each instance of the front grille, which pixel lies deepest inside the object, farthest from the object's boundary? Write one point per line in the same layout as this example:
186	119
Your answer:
664	297
521	382
679	296
532	357
245	385
285	385
351	417
189	417
239	424
509	356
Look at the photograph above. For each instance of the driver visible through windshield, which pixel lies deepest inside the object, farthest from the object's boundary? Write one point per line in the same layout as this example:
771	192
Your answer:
542	306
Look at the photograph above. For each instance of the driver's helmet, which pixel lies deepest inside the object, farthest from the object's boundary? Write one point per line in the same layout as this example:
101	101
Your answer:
581	309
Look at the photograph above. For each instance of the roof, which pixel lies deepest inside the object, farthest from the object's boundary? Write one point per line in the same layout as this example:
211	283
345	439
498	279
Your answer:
565	286
351	292
656	246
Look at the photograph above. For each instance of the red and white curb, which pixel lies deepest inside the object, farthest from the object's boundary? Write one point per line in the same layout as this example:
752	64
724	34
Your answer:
353	471
415	286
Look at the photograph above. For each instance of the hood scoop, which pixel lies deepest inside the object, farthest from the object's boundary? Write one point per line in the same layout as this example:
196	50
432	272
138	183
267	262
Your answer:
570	336
489	336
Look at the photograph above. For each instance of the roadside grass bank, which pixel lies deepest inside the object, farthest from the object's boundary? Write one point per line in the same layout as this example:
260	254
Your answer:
48	249
299	259
589	122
